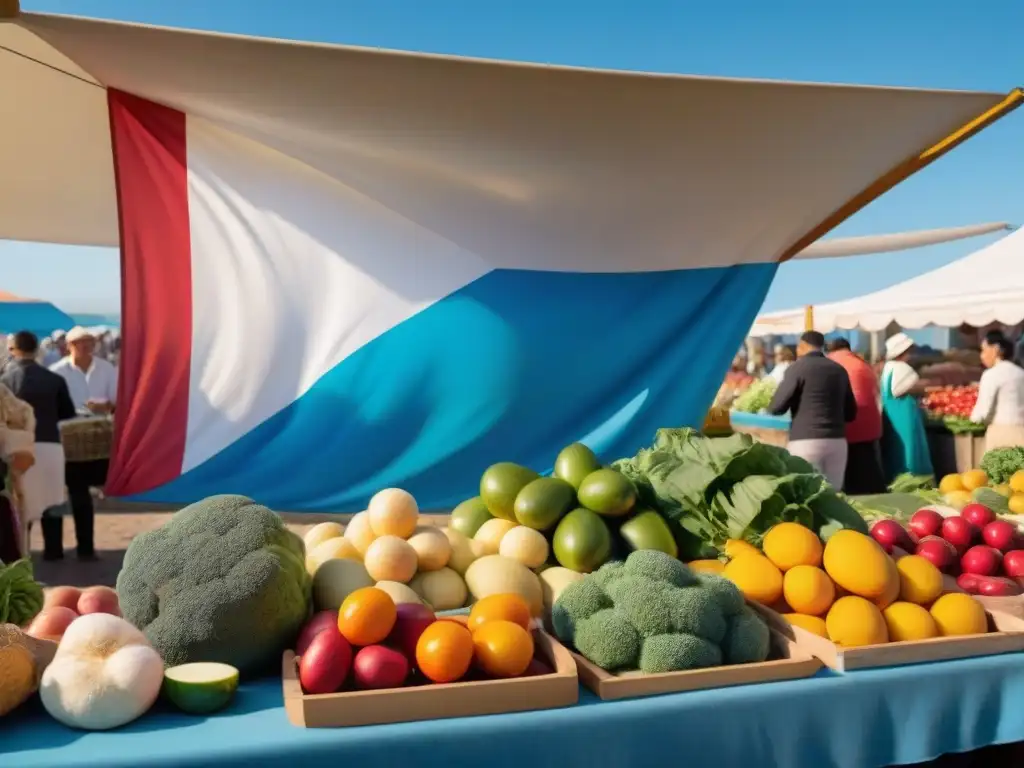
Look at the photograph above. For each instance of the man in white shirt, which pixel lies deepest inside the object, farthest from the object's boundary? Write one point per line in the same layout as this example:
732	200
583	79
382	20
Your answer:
1000	394
92	383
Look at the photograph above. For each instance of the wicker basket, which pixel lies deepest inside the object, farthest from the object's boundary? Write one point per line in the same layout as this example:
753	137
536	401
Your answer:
90	438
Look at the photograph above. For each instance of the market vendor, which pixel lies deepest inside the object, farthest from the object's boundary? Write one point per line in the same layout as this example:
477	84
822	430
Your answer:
904	443
817	392
784	358
864	474
1000	394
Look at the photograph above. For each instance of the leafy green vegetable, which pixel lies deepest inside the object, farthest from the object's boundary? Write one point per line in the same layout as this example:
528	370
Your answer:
21	596
756	398
908	483
958	425
1000	463
733	487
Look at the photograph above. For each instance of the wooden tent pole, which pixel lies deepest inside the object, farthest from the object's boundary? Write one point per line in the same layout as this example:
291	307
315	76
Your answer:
808	318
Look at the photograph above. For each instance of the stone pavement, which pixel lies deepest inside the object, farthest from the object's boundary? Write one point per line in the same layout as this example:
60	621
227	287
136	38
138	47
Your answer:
115	528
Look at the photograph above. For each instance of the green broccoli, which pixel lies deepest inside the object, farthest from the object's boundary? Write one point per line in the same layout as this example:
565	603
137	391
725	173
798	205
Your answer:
697	612
608	640
647	604
607	572
747	640
674	653
659	566
729	597
579	600
222	581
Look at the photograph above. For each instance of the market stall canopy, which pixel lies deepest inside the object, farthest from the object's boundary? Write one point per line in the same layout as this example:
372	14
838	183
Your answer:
40	317
346	269
984	287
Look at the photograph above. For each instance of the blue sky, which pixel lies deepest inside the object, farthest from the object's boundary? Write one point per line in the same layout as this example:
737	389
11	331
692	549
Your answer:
943	44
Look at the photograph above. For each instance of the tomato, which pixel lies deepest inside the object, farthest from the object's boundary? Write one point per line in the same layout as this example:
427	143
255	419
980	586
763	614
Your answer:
502	648
444	651
507	607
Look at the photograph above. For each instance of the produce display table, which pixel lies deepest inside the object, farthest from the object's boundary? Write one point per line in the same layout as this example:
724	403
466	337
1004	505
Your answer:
773	430
882	717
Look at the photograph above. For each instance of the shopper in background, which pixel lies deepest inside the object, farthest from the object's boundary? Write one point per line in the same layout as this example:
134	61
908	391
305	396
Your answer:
904	443
864	474
817	392
784	357
1000	394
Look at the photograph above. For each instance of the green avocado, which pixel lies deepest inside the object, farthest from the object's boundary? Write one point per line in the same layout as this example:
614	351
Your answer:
582	541
500	485
648	530
469	516
574	463
542	503
607	492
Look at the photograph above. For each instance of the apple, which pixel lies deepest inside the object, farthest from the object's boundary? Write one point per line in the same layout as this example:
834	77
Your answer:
317	623
99	600
977	515
889	534
938	551
64	597
958	532
1000	535
1013	563
981	560
926	522
325	665
410	622
377	666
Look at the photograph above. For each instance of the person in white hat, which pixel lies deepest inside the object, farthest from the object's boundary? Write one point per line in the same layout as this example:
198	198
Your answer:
905	444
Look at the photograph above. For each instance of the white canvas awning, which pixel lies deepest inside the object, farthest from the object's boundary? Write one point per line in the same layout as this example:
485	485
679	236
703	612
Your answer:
984	287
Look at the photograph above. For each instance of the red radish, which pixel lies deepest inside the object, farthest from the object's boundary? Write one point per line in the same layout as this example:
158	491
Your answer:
889	534
926	522
377	666
969	582
958	532
325	664
994	586
999	534
977	515
412	619
981	560
940	552
66	597
1013	563
316	624
99	600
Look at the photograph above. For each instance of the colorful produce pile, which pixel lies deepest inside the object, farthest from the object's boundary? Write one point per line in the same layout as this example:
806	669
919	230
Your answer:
757	397
654	614
952	407
373	643
718	489
972	486
849	590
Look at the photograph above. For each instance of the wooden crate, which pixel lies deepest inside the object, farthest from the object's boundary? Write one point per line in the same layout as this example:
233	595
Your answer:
1006	635
431	702
788	662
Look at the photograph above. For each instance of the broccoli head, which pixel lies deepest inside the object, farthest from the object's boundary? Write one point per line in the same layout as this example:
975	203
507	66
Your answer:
647	604
579	600
674	653
658	566
697	612
727	594
607	572
608	640
222	581
747	640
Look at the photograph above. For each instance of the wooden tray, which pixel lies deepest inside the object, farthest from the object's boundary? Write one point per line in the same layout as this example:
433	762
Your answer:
789	662
1006	634
432	702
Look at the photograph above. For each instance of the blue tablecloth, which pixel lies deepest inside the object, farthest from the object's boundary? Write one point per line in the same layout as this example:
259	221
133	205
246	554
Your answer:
863	719
760	420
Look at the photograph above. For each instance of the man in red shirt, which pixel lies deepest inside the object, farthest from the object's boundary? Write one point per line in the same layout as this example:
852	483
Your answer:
864	473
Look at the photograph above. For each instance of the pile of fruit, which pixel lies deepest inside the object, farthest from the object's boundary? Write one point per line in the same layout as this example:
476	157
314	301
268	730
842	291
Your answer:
849	590
372	643
386	547
952	406
654	614
986	554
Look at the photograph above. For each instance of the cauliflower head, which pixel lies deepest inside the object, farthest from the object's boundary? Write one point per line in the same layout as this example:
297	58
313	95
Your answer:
222	581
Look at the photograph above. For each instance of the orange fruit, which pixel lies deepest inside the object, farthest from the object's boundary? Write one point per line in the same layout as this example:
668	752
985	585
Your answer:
444	651
502	648
367	616
503	607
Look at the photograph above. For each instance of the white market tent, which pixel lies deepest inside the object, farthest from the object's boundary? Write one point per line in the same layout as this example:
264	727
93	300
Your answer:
985	287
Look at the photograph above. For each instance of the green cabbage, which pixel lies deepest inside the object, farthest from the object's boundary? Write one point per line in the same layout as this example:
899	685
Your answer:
21	596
